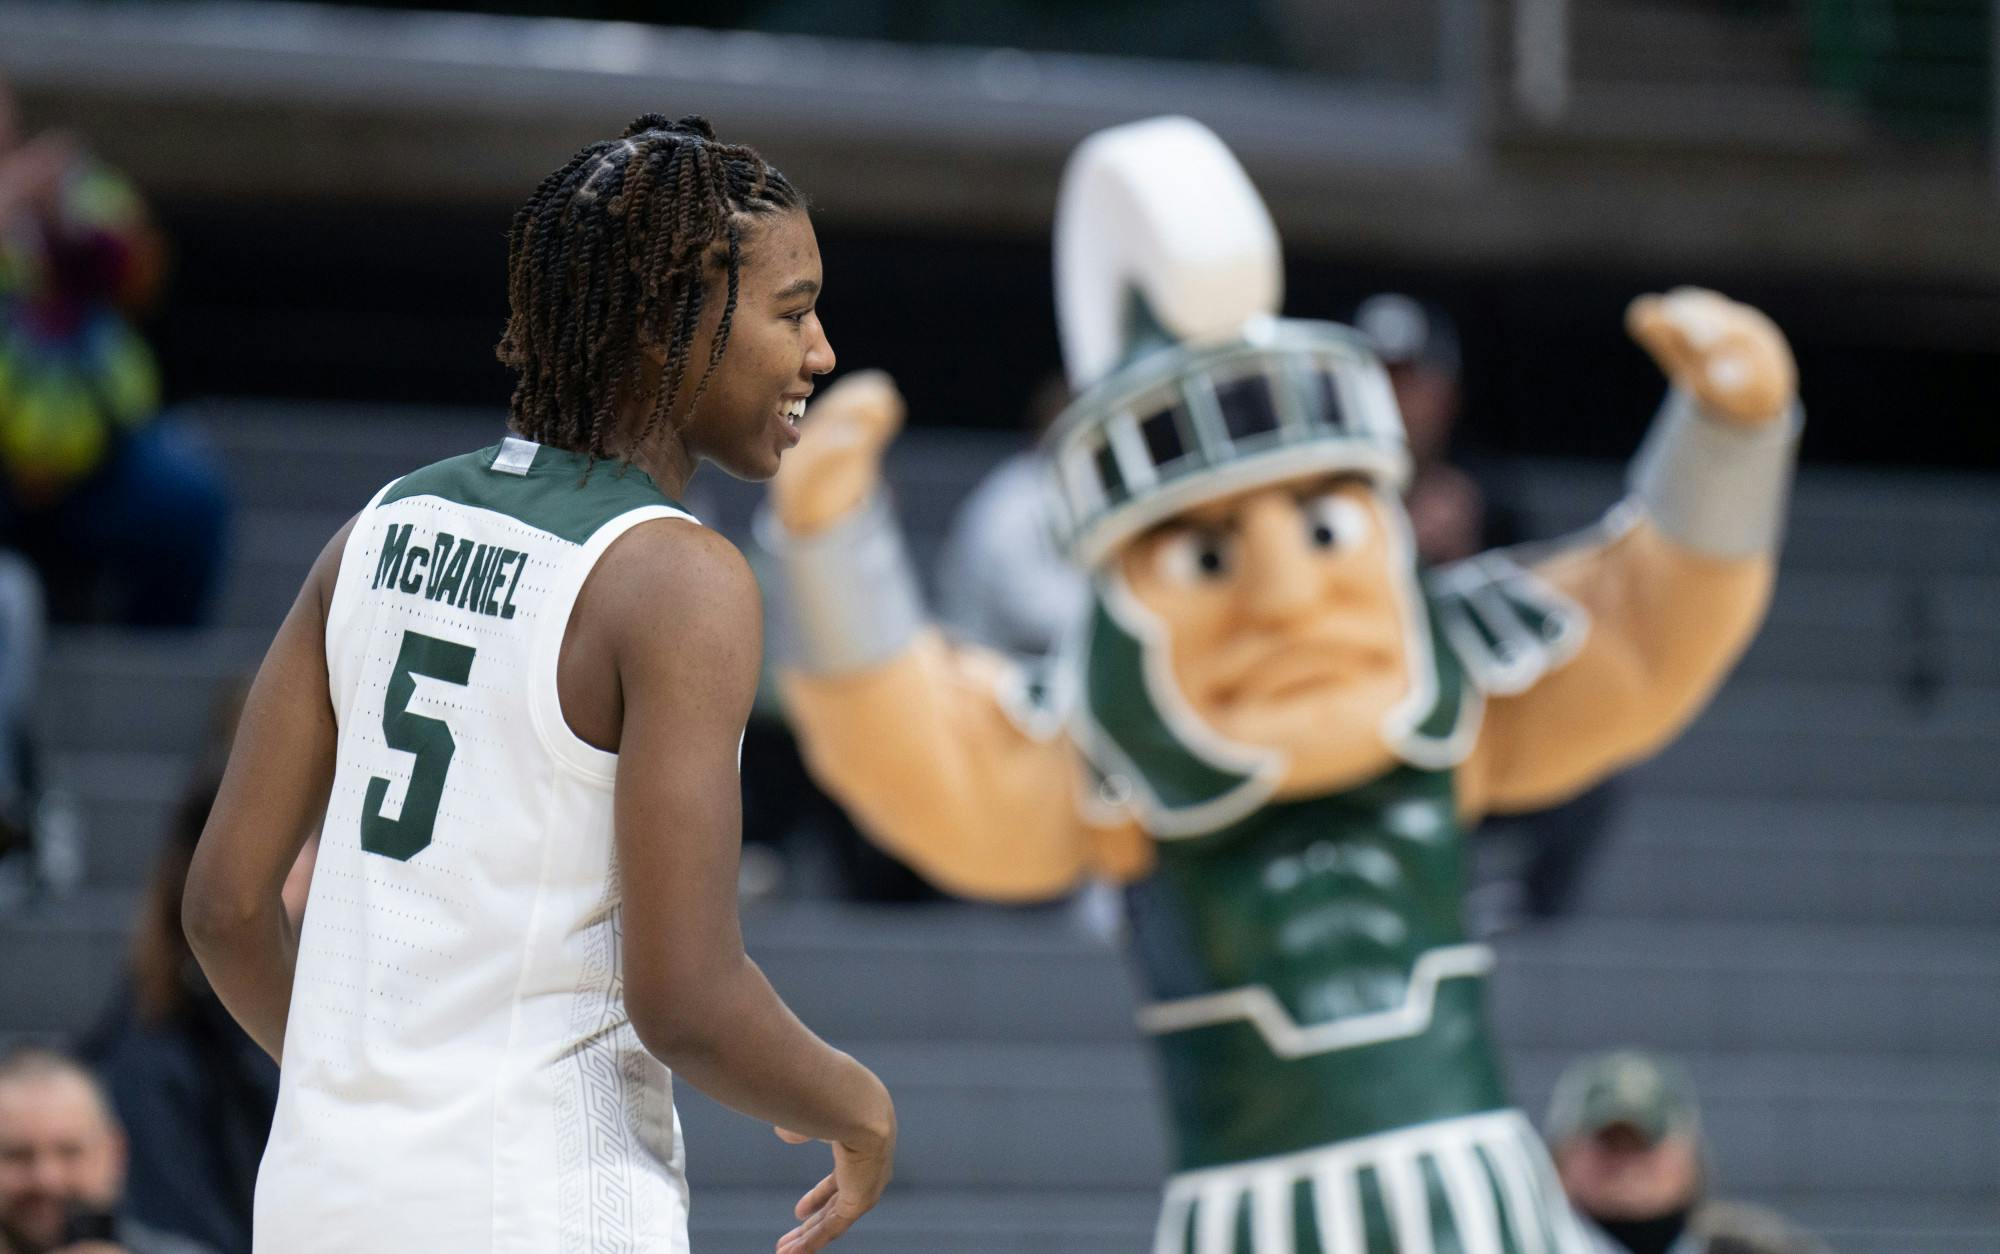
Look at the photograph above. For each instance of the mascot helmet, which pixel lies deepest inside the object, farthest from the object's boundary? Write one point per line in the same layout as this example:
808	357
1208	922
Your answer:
1168	283
1190	388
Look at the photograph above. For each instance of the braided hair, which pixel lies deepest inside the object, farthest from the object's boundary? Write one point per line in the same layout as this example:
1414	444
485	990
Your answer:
610	255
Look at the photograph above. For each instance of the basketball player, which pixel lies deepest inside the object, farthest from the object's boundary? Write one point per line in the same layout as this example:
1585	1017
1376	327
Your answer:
508	700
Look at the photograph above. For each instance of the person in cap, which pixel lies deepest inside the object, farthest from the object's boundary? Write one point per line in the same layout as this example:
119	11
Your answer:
1419	348
1625	1131
1270	725
1529	865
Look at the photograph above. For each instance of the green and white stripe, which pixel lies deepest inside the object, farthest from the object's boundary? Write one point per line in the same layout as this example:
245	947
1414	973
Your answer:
1481	1184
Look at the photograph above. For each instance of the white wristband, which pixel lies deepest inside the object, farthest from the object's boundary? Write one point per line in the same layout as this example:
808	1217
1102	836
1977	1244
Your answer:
849	600
1712	486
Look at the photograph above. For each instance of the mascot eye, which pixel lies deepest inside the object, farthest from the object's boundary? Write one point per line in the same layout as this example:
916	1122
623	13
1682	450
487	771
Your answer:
1335	522
1193	556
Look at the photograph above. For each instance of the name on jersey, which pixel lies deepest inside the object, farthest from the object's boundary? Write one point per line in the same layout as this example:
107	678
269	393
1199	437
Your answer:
478	577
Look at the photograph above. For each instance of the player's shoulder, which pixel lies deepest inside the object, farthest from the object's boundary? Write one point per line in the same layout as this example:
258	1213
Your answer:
675	548
325	573
675	570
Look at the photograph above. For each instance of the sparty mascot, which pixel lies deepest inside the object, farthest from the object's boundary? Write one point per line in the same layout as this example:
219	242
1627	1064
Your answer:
1273	729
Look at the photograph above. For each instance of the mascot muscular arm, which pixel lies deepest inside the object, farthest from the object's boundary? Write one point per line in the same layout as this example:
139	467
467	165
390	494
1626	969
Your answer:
913	733
1678	592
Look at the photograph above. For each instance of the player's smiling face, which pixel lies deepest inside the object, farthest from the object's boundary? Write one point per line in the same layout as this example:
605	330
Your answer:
1283	626
747	418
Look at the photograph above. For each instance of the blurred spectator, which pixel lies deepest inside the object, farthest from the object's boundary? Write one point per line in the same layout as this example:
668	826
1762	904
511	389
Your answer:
1531	864
1419	346
796	840
62	1164
23	628
1001	582
122	510
1625	1133
194	1092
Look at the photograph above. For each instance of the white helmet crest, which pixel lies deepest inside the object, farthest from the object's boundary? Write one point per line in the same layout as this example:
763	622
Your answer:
1160	208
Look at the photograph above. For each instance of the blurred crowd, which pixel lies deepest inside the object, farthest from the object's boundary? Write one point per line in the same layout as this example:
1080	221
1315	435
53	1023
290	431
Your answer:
111	511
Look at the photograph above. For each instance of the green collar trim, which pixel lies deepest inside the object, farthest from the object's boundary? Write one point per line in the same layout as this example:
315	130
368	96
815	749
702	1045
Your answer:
567	494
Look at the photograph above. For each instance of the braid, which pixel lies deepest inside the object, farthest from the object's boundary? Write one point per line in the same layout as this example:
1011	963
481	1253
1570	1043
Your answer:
609	256
728	313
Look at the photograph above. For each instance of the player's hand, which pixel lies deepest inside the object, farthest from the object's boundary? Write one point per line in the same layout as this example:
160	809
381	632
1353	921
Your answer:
1732	358
860	1172
838	461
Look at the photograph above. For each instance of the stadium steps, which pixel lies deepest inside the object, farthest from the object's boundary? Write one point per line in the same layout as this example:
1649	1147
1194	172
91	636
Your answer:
1917	637
1908	525
1668	856
1799	897
1796	860
122	717
1080	1221
979	1114
728	1220
1008	1040
1867	1221
1828	761
101	688
304	456
968	973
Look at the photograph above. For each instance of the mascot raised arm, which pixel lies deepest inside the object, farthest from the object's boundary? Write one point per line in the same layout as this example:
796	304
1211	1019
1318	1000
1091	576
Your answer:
1274	729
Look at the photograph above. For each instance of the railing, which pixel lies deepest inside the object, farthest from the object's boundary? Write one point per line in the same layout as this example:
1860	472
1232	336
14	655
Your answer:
1306	99
1801	73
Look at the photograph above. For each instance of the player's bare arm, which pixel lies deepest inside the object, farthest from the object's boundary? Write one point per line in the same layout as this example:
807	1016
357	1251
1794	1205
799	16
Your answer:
676	613
1673	602
916	742
270	802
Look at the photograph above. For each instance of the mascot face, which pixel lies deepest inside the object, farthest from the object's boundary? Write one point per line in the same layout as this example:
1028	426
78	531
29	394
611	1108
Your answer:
1229	478
1284	619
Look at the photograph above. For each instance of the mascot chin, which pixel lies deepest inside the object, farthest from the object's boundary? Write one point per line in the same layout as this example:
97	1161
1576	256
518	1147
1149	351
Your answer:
1272	728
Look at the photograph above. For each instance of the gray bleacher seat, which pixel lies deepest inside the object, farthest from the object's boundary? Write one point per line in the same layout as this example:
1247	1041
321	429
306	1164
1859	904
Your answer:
1799	896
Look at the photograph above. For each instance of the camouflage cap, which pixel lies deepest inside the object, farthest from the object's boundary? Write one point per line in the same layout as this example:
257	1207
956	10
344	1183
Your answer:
1650	1094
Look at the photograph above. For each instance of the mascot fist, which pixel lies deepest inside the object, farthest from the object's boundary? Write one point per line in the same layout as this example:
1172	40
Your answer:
838	462
1731	358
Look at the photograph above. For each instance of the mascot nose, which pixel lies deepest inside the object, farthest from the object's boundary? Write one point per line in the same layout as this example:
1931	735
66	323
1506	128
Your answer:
1280	581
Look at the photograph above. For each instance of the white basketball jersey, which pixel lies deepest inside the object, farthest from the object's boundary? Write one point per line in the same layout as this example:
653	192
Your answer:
459	1071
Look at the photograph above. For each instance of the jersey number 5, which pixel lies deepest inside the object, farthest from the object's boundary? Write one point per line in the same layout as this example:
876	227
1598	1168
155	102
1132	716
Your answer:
402	838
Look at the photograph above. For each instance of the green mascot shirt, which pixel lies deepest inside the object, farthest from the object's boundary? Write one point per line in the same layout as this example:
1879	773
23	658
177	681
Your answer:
1318	1011
1309	977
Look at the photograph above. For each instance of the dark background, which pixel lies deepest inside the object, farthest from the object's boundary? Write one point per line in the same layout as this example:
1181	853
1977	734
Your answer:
403	303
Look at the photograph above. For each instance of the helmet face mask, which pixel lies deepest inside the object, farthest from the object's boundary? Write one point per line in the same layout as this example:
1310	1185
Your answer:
1181	425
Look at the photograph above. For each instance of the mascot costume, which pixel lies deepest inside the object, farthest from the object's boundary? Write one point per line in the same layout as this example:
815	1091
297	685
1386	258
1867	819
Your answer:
1273	729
